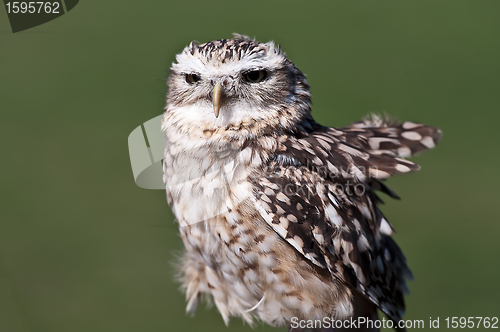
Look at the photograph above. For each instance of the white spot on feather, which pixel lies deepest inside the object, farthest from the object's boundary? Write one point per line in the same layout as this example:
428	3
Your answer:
284	222
351	151
410	125
319	237
359	272
385	228
404	151
378	174
402	168
363	244
428	142
357	173
297	243
282	198
411	135
332	168
332	215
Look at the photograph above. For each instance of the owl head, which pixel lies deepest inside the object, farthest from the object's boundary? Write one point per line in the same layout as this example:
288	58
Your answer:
236	83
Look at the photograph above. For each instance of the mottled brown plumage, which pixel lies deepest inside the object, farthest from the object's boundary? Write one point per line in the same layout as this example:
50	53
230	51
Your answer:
278	214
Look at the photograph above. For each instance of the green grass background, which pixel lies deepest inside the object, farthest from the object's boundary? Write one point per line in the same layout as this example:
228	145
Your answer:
82	248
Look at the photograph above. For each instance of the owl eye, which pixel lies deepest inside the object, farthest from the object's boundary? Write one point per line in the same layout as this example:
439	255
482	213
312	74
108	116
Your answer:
192	78
255	76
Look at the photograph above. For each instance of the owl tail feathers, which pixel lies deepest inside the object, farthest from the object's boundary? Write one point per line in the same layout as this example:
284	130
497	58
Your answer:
192	304
193	282
383	135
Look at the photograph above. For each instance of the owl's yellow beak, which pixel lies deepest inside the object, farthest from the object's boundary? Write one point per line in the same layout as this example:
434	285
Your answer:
216	99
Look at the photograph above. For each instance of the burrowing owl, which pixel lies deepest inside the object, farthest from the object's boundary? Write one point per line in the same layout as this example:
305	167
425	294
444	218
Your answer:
278	214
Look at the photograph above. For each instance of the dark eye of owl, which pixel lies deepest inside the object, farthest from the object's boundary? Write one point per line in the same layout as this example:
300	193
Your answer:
192	78
255	76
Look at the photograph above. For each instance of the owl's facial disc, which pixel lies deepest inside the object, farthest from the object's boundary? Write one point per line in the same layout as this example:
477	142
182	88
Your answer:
236	83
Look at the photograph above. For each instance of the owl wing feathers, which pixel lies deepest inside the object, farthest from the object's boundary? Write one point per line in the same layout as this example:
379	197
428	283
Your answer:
381	135
318	194
341	233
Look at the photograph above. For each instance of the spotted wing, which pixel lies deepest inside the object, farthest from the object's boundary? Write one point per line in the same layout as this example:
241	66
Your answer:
344	233
381	135
318	194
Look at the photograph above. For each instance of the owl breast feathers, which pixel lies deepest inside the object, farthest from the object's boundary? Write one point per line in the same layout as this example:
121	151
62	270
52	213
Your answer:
279	215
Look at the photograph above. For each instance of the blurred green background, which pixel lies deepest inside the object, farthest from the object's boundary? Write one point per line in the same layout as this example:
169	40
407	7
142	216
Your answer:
82	248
